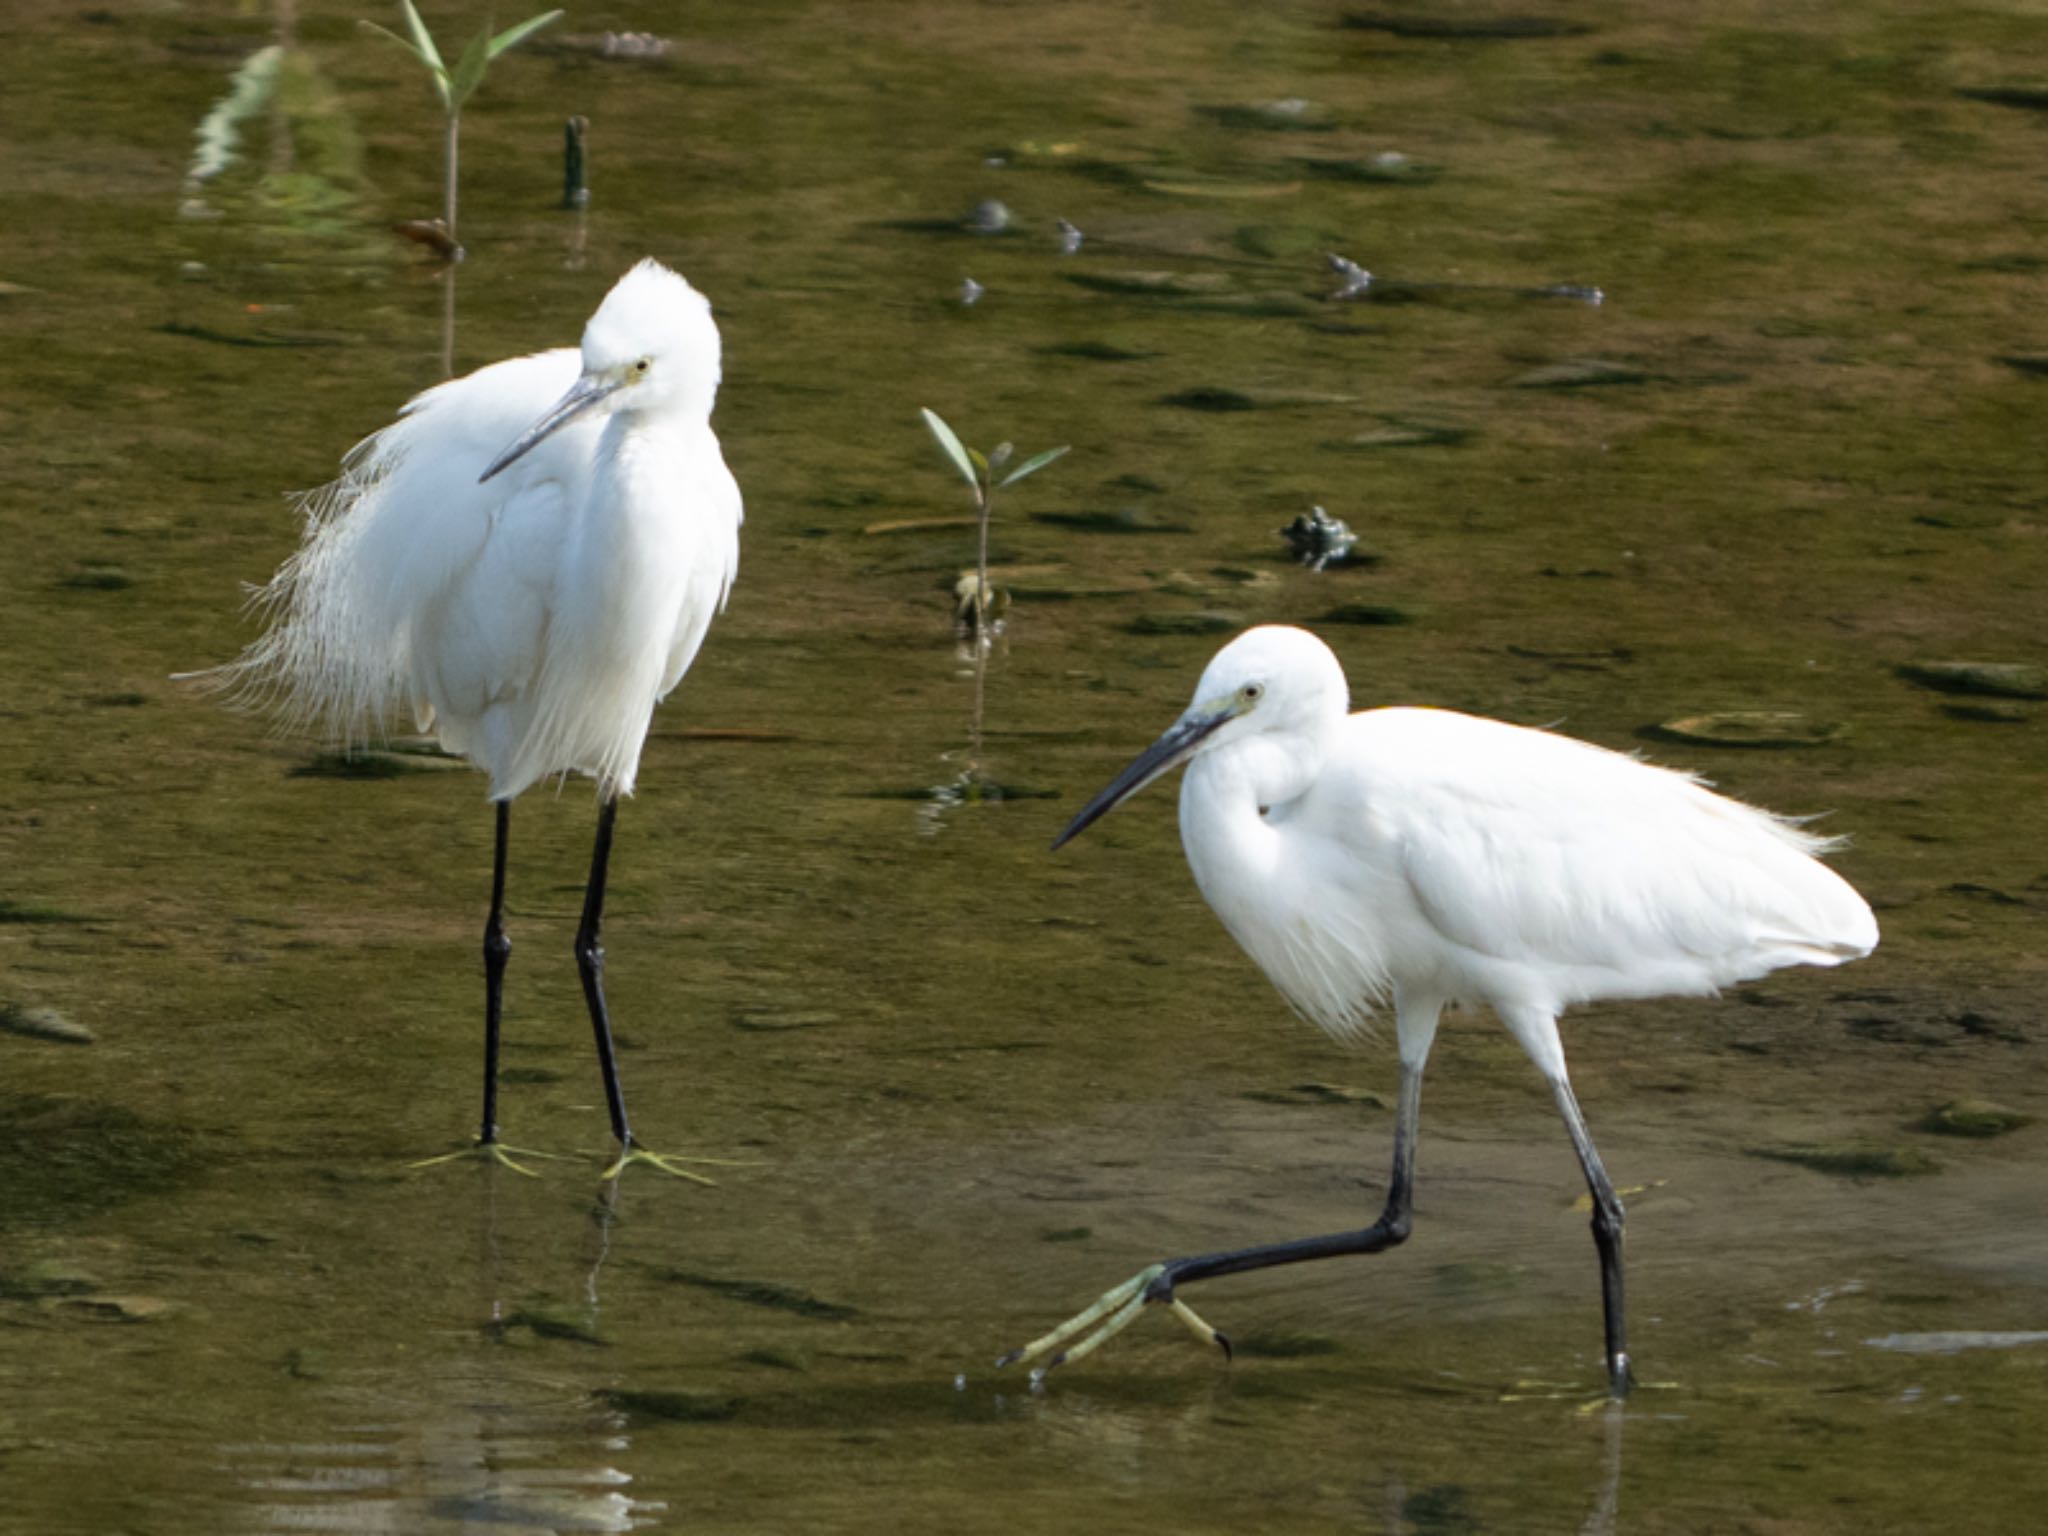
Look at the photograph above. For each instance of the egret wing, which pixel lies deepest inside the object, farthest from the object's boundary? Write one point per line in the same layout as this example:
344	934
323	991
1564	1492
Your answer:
387	544
713	515
1607	874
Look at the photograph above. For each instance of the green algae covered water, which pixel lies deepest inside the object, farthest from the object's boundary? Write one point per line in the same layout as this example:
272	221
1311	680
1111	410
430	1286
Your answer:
1783	484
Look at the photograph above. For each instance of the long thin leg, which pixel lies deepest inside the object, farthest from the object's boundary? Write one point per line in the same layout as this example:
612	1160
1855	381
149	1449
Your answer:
1607	1224
590	963
1118	1307
1392	1227
497	950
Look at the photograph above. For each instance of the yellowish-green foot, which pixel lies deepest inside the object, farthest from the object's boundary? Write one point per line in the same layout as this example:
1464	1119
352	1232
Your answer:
669	1163
1115	1310
1526	1391
495	1152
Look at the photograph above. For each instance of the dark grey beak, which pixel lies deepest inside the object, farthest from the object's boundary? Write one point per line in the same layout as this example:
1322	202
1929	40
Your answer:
583	394
1176	746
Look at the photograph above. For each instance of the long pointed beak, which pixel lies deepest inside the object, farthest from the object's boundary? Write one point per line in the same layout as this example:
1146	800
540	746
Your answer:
1176	746
583	394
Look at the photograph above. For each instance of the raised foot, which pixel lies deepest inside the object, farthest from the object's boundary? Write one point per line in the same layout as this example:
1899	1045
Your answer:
669	1163
1111	1313
495	1152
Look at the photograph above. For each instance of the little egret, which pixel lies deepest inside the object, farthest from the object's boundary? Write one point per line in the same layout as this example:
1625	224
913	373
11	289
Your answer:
1418	857
526	561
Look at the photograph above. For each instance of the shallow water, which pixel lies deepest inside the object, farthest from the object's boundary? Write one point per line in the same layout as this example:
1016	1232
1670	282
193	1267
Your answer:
971	1083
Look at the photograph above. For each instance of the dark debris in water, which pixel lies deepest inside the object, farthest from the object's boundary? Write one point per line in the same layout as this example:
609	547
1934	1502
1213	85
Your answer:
1373	615
1463	29
105	578
1118	520
1095	352
1319	540
1997	679
1905	1025
2028	98
1987	714
1974	1117
39	912
230	339
547	1320
1212	397
42	1023
969	789
1852	1159
1318	1093
760	1293
1757	729
676	1406
1387	169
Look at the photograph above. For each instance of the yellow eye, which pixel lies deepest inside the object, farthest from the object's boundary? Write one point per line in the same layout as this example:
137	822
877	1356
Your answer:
640	368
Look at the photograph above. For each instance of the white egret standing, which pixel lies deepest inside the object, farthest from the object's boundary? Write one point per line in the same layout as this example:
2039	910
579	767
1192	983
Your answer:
1418	857
526	562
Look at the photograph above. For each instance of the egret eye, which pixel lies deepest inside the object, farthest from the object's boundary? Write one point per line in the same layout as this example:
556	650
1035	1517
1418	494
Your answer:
1250	692
641	368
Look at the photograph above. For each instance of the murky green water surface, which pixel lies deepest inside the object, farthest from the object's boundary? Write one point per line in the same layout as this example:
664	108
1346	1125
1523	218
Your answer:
1796	449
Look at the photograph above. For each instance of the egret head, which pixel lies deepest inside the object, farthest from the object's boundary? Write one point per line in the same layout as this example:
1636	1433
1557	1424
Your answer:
651	347
1271	680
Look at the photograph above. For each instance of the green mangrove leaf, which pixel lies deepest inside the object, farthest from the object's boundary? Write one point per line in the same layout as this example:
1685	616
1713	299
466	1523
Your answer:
469	69
512	37
433	64
947	441
422	39
1035	463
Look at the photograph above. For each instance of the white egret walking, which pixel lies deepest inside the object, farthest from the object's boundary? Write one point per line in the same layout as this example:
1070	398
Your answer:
1417	858
526	562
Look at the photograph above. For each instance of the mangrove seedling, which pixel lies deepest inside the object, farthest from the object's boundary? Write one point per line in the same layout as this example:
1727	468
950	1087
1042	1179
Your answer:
979	470
454	86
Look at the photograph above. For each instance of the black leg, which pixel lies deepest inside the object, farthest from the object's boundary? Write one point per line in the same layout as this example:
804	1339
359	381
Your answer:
1390	1230
590	963
497	950
1607	1223
1119	1305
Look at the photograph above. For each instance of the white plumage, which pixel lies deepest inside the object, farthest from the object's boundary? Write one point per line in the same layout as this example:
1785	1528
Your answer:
532	620
1424	857
524	562
1418	858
